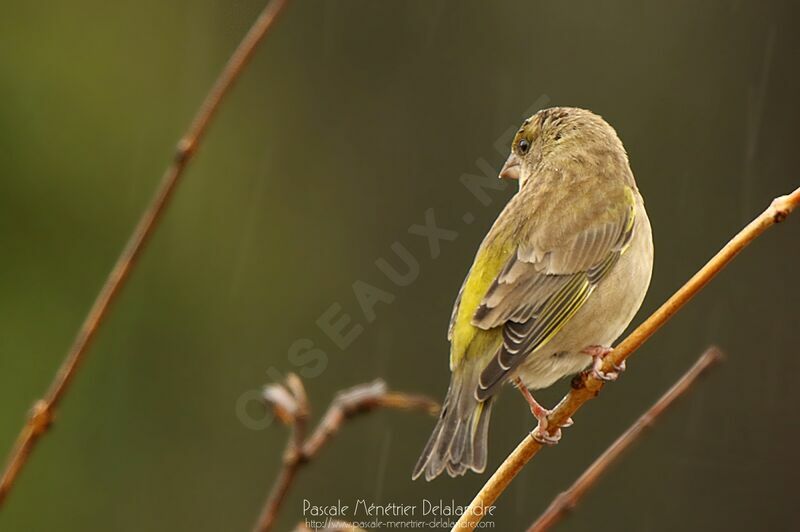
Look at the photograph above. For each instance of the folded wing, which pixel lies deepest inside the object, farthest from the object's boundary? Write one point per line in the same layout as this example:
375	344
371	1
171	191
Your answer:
542	286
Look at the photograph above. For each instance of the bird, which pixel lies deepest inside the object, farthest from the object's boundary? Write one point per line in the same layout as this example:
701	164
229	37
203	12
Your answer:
557	279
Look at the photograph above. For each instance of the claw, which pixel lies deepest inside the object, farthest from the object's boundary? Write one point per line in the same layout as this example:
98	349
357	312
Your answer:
599	353
545	438
607	376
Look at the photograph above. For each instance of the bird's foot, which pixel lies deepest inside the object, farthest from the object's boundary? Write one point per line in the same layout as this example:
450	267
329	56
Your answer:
540	433
543	436
599	353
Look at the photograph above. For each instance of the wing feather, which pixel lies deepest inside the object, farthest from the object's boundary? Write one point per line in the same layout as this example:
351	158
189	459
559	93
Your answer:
537	292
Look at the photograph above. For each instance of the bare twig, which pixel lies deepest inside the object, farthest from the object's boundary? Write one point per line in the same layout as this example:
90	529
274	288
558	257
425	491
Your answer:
586	387
290	405
568	499
43	412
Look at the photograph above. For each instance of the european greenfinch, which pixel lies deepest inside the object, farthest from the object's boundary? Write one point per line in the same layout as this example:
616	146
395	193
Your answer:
557	279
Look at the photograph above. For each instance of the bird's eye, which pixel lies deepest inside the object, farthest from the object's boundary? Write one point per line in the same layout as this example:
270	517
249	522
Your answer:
523	145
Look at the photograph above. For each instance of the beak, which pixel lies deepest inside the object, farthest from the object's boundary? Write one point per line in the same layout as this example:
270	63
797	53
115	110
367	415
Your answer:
511	168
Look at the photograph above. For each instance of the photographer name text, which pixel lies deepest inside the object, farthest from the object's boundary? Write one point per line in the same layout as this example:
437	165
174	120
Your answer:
362	507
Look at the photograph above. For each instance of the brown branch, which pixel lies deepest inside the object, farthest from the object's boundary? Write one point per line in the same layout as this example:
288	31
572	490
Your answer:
568	499
586	387
43	412
290	405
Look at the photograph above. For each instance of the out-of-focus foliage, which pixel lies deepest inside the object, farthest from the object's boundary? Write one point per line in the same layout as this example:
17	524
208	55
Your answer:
353	120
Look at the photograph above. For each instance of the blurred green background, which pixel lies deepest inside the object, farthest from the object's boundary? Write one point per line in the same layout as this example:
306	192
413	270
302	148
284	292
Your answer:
354	118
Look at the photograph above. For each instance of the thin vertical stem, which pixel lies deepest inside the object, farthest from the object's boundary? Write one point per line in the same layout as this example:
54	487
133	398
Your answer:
43	412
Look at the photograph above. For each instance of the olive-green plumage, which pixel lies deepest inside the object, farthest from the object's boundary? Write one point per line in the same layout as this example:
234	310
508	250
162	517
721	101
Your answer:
565	266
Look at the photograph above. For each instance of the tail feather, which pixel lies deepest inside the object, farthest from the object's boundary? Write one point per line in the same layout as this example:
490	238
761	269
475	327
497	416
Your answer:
459	440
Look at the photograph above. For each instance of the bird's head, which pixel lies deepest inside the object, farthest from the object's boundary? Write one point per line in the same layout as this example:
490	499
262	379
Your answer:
560	137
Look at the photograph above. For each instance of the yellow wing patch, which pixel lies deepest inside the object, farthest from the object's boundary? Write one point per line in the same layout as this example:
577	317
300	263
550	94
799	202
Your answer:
487	266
